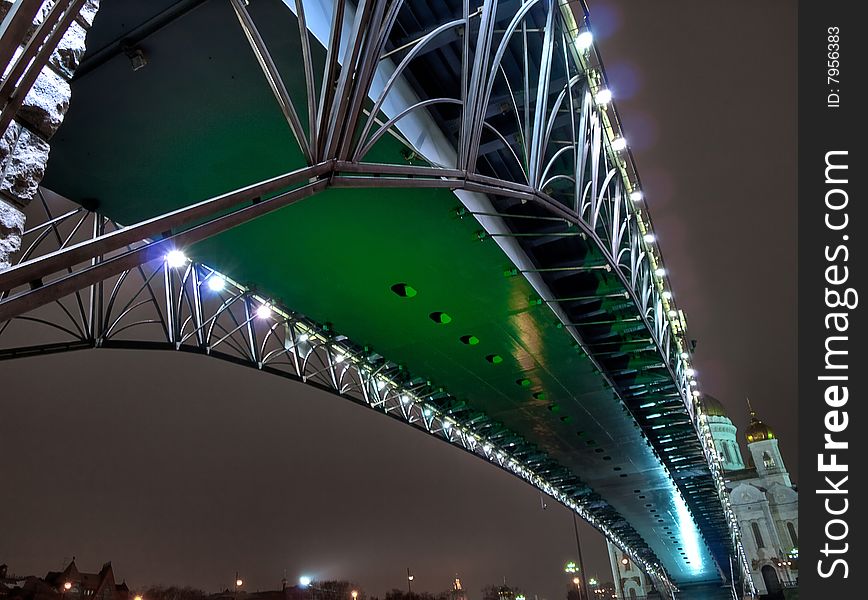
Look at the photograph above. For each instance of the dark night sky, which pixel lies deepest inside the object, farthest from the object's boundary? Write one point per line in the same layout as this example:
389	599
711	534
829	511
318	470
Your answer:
225	469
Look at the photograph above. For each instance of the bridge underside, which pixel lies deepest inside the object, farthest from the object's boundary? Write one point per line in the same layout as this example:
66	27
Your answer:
408	273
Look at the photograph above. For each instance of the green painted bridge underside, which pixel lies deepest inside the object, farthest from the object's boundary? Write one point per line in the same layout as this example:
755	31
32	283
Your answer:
199	120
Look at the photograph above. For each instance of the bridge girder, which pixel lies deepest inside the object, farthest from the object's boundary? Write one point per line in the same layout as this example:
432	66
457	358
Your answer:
350	116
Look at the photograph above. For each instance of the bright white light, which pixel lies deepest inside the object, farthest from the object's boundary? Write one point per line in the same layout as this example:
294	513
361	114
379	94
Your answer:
381	384
667	294
303	337
649	238
618	144
685	356
695	393
339	358
694	383
304	580
486	448
447	425
604	96
263	312
427	412
216	283
584	40
660	272
691	372
405	399
176	259
673	313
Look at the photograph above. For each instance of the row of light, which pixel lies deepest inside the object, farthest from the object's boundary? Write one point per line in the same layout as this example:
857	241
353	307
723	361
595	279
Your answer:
494	454
583	42
713	459
603	97
177	259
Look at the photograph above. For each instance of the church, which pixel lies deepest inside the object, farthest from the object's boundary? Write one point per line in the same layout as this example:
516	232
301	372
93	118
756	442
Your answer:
763	497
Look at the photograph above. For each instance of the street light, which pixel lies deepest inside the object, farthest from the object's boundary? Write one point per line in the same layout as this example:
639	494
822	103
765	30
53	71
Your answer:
67	586
354	594
410	578
304	581
238	584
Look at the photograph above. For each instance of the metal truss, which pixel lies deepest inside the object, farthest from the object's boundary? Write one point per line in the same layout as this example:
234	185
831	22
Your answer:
169	303
529	123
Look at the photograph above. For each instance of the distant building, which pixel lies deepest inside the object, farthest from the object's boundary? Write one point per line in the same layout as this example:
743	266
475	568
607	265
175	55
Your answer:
764	500
69	584
457	592
630	581
766	504
602	591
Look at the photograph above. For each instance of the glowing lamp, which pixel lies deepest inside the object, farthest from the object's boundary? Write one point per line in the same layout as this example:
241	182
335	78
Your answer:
604	96
584	40
216	283
176	259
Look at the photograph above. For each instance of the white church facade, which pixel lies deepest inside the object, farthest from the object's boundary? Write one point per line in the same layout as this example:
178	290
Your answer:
764	499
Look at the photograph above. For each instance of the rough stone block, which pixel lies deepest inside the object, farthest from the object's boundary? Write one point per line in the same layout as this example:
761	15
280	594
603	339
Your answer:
66	58
7	143
11	230
46	103
88	12
25	167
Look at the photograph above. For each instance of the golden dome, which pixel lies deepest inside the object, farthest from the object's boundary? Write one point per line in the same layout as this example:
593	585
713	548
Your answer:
712	407
758	431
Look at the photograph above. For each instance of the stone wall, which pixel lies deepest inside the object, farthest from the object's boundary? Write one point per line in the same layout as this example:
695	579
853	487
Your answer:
24	146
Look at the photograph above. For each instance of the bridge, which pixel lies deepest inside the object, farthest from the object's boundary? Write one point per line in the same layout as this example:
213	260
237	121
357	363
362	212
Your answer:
425	206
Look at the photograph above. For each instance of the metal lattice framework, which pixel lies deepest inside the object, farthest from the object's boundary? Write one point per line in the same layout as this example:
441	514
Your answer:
529	124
